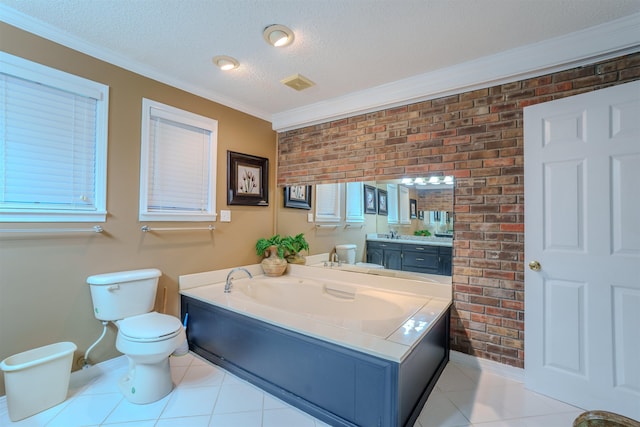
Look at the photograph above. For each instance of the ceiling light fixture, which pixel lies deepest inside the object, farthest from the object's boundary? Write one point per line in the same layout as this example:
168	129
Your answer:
278	35
226	63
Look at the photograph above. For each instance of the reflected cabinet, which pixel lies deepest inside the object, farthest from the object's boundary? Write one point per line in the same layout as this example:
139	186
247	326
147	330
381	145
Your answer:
418	258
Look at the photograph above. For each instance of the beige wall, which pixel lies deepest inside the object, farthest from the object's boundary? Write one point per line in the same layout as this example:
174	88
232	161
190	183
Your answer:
43	294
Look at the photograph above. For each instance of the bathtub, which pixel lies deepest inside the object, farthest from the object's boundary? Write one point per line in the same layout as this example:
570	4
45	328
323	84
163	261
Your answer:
348	348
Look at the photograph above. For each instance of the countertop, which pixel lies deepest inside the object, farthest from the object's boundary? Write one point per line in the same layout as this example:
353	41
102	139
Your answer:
413	240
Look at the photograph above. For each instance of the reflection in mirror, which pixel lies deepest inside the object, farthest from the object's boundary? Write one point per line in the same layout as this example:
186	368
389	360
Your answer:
410	231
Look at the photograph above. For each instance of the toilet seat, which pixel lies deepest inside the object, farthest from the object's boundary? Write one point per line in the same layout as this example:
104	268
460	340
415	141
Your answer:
150	327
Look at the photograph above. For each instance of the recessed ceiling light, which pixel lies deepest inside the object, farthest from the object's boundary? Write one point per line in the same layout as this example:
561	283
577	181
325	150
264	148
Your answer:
278	35
226	63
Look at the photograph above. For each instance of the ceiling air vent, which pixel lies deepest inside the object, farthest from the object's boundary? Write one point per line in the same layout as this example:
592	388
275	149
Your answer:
297	82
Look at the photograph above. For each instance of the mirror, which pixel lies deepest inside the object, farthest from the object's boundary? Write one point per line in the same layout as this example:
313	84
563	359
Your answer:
400	212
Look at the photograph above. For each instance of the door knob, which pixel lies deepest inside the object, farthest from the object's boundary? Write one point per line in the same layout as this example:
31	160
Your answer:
535	266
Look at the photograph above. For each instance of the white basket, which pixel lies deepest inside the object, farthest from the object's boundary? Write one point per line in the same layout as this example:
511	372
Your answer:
37	379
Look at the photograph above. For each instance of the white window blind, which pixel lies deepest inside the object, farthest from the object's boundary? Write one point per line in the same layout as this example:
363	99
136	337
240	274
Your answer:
355	202
52	145
328	202
403	205
392	203
178	165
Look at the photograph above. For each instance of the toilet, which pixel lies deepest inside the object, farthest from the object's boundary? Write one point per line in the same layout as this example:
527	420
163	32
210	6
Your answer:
146	337
347	254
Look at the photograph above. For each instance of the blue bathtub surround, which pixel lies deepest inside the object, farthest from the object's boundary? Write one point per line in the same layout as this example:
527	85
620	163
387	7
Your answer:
342	375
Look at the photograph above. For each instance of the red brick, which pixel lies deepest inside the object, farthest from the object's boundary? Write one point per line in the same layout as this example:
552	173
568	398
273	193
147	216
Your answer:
483	148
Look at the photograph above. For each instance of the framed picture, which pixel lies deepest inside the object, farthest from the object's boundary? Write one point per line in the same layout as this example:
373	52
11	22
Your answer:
413	208
297	196
370	201
420	214
383	208
247	180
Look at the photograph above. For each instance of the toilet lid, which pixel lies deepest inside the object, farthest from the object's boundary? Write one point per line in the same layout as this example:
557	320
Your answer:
150	327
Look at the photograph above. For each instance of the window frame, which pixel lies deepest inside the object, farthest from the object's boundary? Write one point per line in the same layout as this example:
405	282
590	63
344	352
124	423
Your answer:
186	118
59	80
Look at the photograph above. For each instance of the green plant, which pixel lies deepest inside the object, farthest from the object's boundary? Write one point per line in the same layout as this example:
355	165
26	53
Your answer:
263	244
422	233
295	244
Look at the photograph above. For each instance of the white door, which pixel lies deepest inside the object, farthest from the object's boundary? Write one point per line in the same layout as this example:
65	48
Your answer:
582	225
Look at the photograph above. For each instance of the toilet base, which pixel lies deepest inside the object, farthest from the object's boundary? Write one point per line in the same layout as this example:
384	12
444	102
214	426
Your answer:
146	383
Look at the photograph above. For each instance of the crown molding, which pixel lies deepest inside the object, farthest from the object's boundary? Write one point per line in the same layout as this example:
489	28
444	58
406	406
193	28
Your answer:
594	44
601	42
49	32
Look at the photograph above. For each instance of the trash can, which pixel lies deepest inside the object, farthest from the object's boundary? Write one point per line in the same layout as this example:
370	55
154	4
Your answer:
37	379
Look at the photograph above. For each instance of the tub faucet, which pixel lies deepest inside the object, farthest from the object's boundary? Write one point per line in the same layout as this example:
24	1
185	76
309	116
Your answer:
228	284
335	258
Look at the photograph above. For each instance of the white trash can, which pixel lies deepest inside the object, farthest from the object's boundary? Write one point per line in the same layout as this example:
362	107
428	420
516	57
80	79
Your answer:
37	379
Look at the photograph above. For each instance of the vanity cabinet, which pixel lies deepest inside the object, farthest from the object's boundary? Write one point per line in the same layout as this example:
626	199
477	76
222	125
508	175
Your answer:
386	254
446	255
419	258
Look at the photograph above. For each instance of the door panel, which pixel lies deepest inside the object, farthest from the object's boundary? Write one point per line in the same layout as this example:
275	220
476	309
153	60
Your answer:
582	224
564	342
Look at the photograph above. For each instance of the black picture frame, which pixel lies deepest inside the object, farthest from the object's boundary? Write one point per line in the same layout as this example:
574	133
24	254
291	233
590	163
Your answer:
413	208
420	214
247	179
370	200
383	205
297	197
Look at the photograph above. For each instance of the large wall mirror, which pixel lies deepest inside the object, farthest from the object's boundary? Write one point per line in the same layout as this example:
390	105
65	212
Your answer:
401	224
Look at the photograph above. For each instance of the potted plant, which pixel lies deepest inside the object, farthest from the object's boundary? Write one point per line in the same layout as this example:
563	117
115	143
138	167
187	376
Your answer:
273	250
293	246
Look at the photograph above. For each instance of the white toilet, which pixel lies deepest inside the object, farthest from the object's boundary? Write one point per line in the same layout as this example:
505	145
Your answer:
147	338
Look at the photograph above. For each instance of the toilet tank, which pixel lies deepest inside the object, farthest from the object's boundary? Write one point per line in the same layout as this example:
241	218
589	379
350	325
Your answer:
346	253
123	293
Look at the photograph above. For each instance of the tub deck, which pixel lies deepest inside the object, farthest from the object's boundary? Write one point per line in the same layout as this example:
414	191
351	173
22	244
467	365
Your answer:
341	376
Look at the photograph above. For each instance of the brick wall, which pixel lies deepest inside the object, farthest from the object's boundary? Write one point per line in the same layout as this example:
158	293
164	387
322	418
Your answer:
434	200
478	138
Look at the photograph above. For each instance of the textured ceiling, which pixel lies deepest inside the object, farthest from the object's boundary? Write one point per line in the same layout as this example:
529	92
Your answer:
344	46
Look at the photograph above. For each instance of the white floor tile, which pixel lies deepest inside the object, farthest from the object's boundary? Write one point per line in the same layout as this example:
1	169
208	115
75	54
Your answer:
127	411
238	398
86	410
190	402
209	396
37	420
147	423
185	360
440	412
507	423
271	402
454	379
202	375
479	407
237	419
286	417
553	420
199	421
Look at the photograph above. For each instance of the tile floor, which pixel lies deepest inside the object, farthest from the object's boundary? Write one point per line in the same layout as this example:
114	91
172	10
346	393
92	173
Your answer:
206	395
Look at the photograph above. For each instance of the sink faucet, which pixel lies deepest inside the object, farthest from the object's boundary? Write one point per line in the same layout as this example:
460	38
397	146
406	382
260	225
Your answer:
228	284
394	234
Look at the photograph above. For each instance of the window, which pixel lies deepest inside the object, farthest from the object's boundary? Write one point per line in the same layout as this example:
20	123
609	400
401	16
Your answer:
403	206
328	202
53	144
392	203
178	165
355	202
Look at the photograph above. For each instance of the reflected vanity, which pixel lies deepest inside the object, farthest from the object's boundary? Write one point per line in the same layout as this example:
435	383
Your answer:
413	223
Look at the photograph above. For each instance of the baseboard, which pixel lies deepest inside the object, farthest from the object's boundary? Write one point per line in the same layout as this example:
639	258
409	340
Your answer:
510	372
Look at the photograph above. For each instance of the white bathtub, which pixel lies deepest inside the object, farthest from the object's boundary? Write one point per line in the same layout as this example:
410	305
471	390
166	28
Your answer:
378	315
